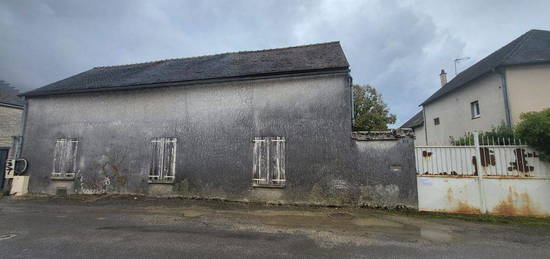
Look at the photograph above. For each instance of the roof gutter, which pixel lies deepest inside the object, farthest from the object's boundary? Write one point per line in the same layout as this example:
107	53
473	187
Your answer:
11	105
193	82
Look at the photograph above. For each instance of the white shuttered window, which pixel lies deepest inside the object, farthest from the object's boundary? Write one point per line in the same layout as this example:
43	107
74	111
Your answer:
163	160
64	158
269	162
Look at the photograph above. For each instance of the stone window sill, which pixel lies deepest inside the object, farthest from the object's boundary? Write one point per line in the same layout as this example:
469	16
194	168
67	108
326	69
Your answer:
272	186
161	182
62	176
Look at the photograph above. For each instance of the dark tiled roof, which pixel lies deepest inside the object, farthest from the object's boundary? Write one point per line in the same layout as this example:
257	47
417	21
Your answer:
530	48
8	95
308	58
415	121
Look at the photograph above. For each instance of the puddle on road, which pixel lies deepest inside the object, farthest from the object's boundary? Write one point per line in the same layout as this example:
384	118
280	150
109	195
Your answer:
336	220
375	222
194	213
435	235
7	236
332	222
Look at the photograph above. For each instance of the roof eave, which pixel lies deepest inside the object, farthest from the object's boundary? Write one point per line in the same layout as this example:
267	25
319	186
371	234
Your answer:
339	70
427	101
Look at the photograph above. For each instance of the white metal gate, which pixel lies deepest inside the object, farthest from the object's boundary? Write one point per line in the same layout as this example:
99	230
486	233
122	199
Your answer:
507	179
498	157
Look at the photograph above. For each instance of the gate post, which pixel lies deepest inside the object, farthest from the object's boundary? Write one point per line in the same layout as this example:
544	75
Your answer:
482	207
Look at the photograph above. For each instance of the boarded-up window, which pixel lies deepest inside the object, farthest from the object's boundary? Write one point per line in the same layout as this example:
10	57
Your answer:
269	162
163	160
64	158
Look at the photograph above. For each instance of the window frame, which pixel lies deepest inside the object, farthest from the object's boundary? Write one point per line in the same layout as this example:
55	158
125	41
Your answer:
269	162
64	153
157	168
437	121
475	110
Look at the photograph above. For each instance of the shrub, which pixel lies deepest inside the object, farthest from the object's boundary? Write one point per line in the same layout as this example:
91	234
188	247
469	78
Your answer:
534	129
497	135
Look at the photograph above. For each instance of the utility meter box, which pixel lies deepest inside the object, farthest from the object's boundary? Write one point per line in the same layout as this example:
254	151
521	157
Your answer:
19	185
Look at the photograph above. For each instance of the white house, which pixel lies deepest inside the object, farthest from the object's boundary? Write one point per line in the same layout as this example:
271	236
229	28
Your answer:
494	91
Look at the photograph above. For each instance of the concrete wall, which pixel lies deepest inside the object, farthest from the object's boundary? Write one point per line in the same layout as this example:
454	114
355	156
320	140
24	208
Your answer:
386	172
10	124
502	196
454	110
528	88
214	126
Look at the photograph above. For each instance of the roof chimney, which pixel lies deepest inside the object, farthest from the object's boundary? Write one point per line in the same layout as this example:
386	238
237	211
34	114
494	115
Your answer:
443	77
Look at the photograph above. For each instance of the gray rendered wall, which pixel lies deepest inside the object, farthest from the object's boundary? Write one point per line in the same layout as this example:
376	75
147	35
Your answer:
387	172
214	125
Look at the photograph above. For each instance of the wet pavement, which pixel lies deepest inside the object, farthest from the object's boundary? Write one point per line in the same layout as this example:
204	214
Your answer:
144	228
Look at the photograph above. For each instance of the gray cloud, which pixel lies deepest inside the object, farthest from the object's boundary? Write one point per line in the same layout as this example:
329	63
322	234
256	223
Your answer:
397	46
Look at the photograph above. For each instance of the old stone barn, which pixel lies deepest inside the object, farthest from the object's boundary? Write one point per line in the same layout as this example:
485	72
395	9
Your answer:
263	125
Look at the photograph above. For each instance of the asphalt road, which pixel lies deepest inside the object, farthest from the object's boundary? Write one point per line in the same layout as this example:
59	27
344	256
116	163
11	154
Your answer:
59	228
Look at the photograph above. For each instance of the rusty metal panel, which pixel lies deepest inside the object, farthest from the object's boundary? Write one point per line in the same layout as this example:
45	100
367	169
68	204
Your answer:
518	197
443	194
502	196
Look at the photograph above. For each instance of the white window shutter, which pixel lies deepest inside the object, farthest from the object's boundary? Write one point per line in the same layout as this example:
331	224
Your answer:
64	161
163	159
268	165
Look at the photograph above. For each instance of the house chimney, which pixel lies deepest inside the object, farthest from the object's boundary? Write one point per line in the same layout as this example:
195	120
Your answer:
443	77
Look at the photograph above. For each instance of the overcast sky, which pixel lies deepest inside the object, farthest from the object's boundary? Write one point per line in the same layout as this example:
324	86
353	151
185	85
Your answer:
397	46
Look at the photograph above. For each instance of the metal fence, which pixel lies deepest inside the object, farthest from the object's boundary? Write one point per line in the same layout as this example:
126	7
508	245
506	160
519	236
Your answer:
502	157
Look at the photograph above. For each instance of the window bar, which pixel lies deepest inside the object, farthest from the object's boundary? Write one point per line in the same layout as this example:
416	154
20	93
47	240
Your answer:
254	161
277	147
268	171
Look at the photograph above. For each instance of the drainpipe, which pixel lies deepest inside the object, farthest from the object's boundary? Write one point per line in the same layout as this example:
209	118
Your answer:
350	80
23	127
502	75
425	125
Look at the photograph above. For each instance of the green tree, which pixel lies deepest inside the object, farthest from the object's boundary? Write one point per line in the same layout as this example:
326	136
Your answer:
370	112
534	128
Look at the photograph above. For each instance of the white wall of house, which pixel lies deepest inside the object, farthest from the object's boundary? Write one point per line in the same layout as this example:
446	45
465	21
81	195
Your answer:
528	89
454	110
419	136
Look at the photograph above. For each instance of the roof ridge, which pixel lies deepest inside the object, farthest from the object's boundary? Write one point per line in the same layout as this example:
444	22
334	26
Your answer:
524	37
219	54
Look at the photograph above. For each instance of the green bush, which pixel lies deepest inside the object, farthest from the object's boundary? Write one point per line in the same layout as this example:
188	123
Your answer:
496	136
534	129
